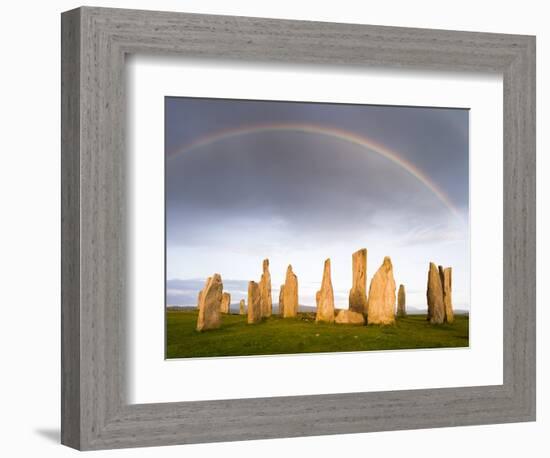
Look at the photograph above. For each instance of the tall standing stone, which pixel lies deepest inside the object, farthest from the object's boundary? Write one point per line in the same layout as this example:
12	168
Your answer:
358	292
448	293
401	301
242	310
209	307
434	295
325	297
290	294
266	303
282	301
381	303
226	303
254	308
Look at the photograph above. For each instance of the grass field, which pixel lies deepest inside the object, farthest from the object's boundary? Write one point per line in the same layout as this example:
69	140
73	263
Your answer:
302	335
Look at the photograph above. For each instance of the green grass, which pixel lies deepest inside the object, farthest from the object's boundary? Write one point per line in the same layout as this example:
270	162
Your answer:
302	335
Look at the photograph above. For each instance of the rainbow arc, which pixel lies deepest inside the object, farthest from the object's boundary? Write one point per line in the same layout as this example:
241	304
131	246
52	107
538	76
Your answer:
331	132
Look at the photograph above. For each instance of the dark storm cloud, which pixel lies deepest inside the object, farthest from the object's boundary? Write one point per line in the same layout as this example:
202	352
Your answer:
435	140
307	185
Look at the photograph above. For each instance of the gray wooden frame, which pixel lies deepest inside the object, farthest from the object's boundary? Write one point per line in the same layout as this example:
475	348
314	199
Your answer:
95	413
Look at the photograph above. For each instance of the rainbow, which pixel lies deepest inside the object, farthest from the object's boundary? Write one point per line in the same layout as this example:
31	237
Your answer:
332	132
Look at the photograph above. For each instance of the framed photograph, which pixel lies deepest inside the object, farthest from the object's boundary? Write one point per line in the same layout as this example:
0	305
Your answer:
279	228
306	182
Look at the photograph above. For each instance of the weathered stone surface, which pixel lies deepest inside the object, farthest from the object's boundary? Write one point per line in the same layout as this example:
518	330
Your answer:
226	303
266	303
448	294
358	291
325	297
440	270
381	302
201	291
290	294
282	300
434	295
349	317
209	307
401	301
254	308
242	309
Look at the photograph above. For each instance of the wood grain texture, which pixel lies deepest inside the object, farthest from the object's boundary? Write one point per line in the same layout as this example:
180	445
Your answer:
70	229
95	412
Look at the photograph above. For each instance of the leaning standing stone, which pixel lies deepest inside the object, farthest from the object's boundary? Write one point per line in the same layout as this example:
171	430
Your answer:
401	302
325	297
358	292
265	290
209	308
290	298
381	304
434	295
226	303
254	309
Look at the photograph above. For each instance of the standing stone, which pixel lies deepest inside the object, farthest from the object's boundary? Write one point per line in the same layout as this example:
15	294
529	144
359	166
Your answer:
401	301
209	308
199	298
358	291
448	293
325	297
242	307
434	295
265	291
381	303
254	308
441	275
226	303
290	294
349	317
282	301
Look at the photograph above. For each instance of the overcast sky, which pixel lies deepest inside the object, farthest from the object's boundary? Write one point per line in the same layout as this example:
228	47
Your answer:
300	197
